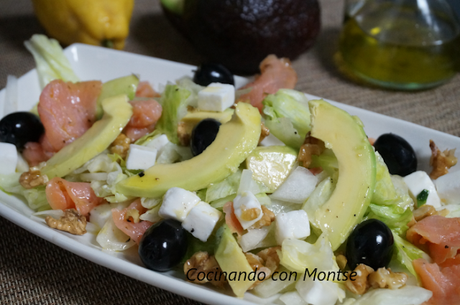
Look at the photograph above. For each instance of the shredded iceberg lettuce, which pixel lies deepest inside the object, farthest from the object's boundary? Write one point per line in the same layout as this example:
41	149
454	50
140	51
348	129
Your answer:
406	295
174	102
298	255
384	191
50	59
35	197
405	253
228	186
287	116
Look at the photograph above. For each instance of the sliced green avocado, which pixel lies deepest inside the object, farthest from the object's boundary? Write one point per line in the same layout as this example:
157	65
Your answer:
344	134
234	141
117	112
232	260
271	165
122	85
191	119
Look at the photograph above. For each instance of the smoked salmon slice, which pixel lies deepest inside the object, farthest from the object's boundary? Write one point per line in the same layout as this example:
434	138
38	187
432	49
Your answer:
275	74
145	90
440	234
134	230
67	111
63	195
443	282
146	113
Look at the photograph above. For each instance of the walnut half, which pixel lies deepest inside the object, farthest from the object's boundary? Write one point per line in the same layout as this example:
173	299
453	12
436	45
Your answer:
385	278
71	222
202	268
441	161
32	178
121	145
360	284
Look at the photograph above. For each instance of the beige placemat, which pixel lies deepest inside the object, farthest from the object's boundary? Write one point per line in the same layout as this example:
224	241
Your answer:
34	271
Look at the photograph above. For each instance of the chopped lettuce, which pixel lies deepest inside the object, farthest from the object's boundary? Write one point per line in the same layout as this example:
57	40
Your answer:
406	295
320	195
395	217
287	116
148	137
297	255
405	253
225	188
35	197
174	102
187	83
327	161
50	59
107	164
384	191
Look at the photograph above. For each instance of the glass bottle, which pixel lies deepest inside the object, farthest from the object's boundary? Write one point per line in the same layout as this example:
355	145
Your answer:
400	44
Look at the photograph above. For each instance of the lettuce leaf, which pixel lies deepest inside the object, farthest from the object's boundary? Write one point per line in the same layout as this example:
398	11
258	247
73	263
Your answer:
384	191
395	217
50	59
228	186
405	253
174	102
287	116
35	198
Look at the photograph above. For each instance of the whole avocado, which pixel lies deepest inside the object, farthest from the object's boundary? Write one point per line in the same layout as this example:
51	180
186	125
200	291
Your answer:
239	34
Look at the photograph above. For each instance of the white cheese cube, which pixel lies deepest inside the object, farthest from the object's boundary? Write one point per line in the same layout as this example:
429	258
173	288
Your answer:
216	97
318	292
158	143
244	202
201	220
292	225
177	203
297	187
140	157
8	158
419	181
448	187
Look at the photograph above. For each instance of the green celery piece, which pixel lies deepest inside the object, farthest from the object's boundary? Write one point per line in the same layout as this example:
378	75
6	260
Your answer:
422	197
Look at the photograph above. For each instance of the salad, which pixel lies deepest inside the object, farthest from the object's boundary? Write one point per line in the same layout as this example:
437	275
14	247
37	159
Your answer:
287	209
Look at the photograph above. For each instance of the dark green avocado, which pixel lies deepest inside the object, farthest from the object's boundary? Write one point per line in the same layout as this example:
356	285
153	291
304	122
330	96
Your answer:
240	33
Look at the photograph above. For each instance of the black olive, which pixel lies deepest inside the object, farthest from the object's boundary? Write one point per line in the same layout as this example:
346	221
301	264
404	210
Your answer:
213	73
163	245
398	154
203	135
18	128
370	243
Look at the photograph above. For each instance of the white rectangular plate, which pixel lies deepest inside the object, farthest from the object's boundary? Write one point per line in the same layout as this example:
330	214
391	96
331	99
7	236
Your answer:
95	63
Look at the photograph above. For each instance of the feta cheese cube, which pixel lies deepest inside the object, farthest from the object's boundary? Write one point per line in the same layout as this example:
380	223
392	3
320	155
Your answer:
292	225
8	158
242	204
158	143
448	187
419	181
201	220
216	97
140	157
297	187
177	203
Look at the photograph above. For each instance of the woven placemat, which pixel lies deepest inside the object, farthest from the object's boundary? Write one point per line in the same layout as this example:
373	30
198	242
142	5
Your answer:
34	271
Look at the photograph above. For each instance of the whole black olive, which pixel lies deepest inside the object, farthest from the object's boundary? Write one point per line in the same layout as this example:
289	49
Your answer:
203	135
213	73
370	243
398	154
163	245
18	128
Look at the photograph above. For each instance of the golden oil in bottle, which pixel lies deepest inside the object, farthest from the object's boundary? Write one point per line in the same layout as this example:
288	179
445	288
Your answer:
391	47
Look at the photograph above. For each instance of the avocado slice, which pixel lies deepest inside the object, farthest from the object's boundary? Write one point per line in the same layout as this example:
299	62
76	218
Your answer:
232	260
174	6
191	119
271	165
344	134
122	85
117	112
234	141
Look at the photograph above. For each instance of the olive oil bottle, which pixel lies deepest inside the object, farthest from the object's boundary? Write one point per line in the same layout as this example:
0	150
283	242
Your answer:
401	44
